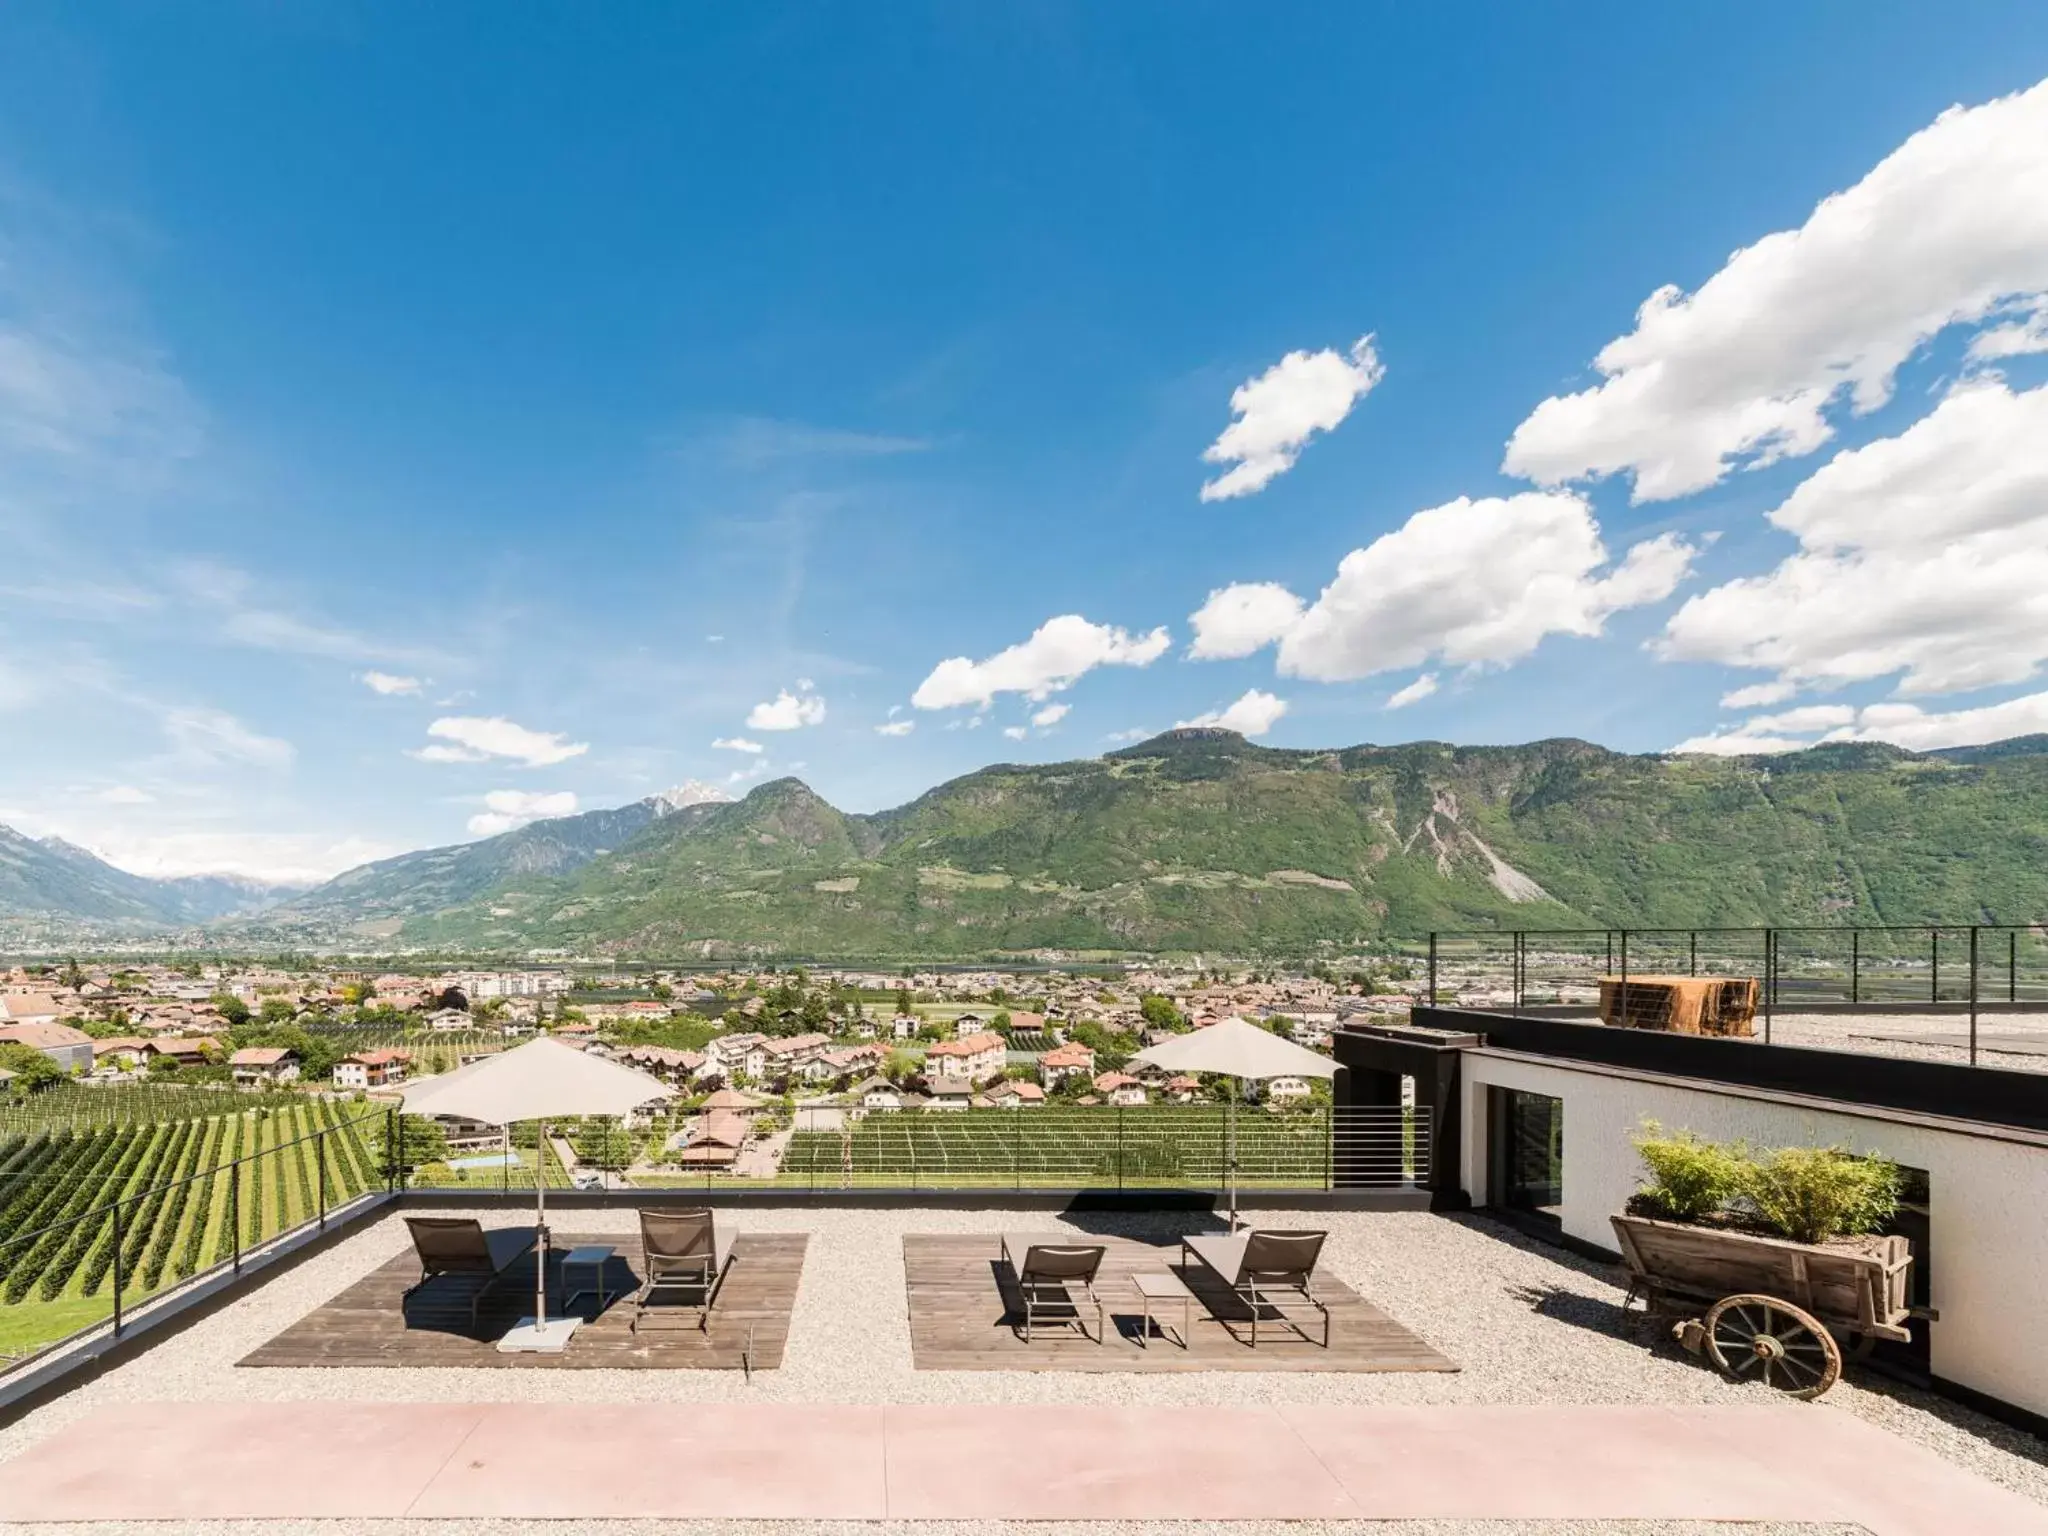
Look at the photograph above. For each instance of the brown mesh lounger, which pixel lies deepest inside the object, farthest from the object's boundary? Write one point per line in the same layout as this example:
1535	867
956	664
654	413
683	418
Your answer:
1257	1265
682	1250
459	1245
1044	1272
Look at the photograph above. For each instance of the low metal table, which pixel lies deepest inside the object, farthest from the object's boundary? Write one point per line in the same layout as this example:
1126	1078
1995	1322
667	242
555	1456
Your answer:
1161	1286
594	1257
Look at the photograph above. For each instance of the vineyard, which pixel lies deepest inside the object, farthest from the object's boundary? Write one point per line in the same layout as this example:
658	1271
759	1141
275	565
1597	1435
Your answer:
156	1201
1163	1146
83	1107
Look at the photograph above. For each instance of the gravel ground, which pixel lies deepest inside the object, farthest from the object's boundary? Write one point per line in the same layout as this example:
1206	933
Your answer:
1527	1324
1866	1034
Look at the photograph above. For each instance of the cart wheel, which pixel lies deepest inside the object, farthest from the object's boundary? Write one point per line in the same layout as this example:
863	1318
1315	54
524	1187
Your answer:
1760	1338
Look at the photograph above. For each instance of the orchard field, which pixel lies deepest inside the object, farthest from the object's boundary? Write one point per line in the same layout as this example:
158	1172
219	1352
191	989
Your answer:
183	1208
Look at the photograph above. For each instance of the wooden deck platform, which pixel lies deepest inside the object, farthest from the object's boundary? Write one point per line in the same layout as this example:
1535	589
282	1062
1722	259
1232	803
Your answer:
964	1308
370	1325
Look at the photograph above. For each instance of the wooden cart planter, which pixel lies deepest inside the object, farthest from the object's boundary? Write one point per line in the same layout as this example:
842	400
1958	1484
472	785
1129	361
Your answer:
1773	1308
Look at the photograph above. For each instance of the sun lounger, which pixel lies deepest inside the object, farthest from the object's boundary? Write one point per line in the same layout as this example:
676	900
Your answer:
682	1251
1258	1266
459	1245
1046	1270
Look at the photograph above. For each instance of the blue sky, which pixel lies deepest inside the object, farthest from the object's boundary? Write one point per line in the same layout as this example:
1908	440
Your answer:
595	378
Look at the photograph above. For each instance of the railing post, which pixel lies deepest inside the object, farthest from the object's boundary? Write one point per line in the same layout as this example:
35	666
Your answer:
1934	966
320	1157
120	1279
1973	994
1432	967
235	1209
1855	966
1770	977
2012	966
1621	1002
1692	952
1119	1146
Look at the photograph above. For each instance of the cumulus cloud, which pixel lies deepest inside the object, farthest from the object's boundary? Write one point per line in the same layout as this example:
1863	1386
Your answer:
472	739
737	744
1414	693
1240	619
1058	653
1253	714
1476	583
1902	725
389	683
2018	338
1923	556
1275	414
1015	732
505	809
896	728
1052	714
788	711
206	736
1950	228
1135	733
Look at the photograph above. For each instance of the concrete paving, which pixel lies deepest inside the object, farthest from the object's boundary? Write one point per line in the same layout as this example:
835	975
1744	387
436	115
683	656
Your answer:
560	1461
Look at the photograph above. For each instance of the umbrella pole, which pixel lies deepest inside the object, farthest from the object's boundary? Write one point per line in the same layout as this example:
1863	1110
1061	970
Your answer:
540	1264
1235	1088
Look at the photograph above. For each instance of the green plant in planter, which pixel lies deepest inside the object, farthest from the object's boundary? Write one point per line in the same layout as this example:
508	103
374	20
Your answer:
1811	1194
1691	1177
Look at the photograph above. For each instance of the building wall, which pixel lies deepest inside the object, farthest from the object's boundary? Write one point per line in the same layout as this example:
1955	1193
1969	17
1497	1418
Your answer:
1988	1195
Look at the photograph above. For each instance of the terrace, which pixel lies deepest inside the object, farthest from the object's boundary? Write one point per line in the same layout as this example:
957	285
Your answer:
875	1331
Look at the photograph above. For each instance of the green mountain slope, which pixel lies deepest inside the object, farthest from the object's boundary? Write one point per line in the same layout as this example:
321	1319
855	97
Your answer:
1198	840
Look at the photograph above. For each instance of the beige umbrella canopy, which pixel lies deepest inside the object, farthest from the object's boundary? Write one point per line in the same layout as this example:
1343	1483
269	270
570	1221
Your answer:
541	1080
1244	1051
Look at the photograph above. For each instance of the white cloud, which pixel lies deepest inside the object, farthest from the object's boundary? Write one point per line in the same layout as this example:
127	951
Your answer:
896	728
1757	695
505	809
278	858
475	739
1135	733
1414	693
753	770
387	683
125	794
1476	583
1253	714
788	711
1058	653
1923	555
1951	227
1240	619
2017	338
1902	725
1275	414
737	744
1015	732
754	441
203	735
1051	715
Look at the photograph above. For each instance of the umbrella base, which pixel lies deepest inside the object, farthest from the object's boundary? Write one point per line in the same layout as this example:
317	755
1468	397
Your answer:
540	1338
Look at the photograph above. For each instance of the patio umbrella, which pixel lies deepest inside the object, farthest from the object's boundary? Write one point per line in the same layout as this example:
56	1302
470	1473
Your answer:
1242	1051
540	1080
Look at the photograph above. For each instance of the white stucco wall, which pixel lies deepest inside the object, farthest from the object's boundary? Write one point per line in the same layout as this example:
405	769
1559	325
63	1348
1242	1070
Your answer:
1988	1195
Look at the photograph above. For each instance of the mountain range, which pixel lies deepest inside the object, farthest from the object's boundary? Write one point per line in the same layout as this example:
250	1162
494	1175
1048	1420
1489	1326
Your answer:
50	878
1201	841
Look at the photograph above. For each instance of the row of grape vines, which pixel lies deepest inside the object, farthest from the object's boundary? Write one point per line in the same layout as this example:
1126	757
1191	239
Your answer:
157	1202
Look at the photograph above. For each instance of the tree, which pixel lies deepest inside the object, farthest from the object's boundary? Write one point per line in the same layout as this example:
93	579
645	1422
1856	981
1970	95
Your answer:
278	1010
33	1071
1159	1012
232	1008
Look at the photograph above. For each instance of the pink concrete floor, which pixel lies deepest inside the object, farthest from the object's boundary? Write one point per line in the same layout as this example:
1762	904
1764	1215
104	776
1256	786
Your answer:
558	1461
